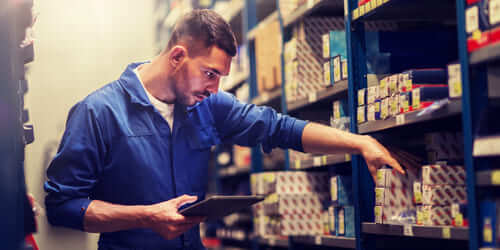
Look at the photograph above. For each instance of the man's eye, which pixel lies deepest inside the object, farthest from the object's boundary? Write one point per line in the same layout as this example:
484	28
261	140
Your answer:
210	75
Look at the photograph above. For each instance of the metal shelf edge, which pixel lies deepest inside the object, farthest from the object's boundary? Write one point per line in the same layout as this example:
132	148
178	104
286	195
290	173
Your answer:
433	232
453	108
486	54
237	80
336	89
330	241
267	97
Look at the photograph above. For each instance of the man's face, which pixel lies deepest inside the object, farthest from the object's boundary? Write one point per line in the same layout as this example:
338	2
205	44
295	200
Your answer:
198	77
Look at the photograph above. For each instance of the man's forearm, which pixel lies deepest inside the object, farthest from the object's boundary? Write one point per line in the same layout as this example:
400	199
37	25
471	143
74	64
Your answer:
317	138
106	217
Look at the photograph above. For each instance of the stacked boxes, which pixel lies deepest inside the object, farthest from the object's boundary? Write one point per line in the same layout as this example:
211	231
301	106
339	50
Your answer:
340	118
393	195
410	90
335	57
341	211
294	205
443	186
304	65
268	56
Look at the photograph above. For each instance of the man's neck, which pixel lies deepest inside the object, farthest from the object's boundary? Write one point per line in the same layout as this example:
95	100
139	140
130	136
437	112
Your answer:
154	76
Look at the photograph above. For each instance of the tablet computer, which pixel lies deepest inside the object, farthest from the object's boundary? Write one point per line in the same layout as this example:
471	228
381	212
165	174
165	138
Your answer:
219	206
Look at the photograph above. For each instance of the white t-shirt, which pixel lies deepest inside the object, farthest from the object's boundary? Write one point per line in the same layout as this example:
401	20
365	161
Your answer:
166	110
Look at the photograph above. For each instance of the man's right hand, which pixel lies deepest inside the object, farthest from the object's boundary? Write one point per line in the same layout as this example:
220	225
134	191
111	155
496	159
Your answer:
165	219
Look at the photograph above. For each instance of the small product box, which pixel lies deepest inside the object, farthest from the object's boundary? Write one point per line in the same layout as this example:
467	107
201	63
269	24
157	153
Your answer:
434	215
361	97
285	204
443	195
388	215
361	114
443	174
393	197
393	84
339	109
332	220
394	105
341	190
337	69
423	76
296	182
345	221
370	112
327	73
391	178
372	94
489	212
423	97
291	225
454	80
384	87
402	79
334	43
384	108
405	102
345	72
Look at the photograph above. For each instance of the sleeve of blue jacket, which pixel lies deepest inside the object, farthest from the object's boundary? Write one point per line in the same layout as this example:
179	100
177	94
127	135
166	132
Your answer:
250	125
72	175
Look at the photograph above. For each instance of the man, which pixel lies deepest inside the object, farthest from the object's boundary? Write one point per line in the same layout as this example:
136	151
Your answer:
137	149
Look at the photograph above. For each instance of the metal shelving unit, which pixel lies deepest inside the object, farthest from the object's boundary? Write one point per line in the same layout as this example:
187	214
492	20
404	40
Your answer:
327	241
433	232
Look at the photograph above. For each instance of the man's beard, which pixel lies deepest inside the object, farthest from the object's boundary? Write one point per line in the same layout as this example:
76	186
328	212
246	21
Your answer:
180	80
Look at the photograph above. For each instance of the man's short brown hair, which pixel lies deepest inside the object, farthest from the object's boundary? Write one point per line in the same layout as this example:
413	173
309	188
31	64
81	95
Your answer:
202	28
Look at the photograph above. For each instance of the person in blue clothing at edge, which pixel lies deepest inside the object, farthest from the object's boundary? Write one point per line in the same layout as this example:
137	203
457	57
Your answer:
137	149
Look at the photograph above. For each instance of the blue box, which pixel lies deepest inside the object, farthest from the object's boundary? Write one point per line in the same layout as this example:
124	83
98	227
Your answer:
488	214
334	43
341	190
345	221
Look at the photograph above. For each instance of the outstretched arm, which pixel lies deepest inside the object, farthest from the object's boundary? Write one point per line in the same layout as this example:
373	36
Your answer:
317	138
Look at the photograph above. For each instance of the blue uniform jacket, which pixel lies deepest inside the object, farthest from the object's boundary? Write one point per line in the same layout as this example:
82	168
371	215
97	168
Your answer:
118	148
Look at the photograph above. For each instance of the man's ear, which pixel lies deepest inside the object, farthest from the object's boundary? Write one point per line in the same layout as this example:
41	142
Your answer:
177	55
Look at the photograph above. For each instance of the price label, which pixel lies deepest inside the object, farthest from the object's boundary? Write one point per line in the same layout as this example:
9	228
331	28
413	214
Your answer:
495	177
347	157
313	97
446	233
400	119
317	161
317	240
297	164
355	14
407	230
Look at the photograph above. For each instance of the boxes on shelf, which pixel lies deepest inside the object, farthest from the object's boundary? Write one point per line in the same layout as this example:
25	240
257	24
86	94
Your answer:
282	182
394	105
384	108
268	56
373	94
454	80
334	43
345	69
459	214
443	195
443	174
295	204
341	190
345	221
328	73
337	68
391	215
332	220
361	113
405	102
489	211
362	97
340	109
387	177
304	63
394	197
291	225
424	96
434	215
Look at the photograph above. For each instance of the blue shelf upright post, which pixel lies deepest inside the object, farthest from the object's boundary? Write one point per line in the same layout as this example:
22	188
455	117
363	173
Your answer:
474	101
362	180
